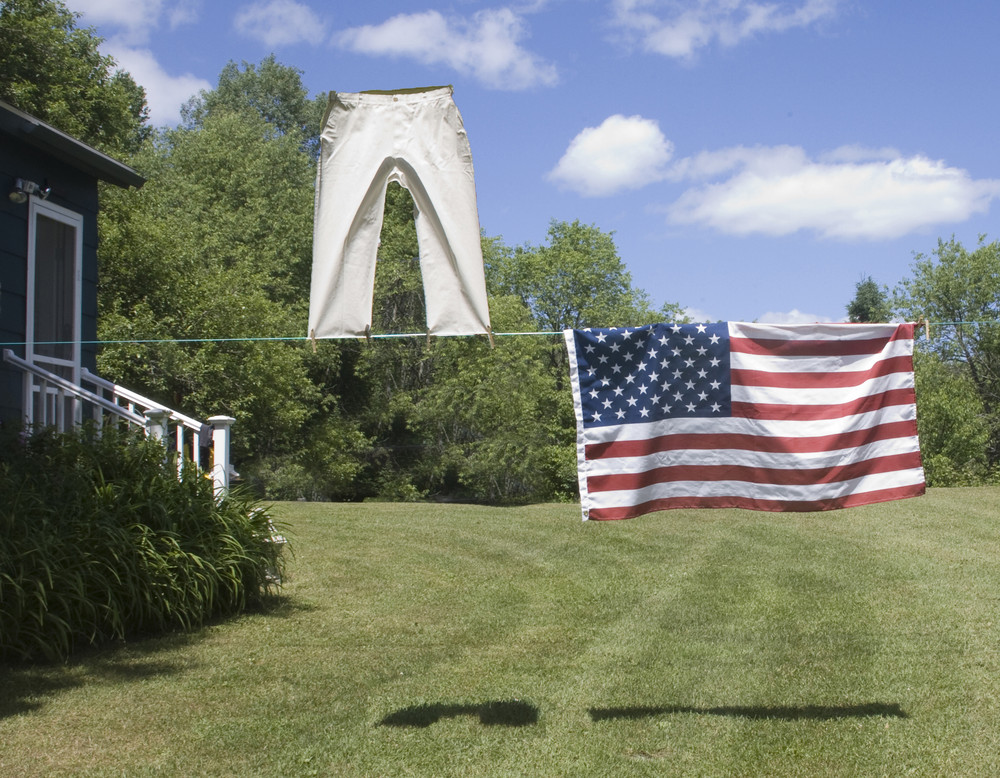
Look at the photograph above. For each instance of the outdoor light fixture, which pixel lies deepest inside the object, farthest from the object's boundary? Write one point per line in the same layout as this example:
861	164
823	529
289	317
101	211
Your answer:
23	187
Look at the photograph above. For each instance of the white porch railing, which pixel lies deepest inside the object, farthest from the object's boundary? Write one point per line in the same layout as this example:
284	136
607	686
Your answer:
51	400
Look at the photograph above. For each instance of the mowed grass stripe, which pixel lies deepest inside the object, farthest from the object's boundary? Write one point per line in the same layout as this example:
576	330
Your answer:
466	640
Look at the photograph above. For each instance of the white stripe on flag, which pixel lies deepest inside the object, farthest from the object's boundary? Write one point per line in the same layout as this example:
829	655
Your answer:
820	396
732	456
761	492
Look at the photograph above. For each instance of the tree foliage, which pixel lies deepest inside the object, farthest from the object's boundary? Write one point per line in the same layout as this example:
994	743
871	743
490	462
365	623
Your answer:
576	280
215	246
870	303
270	90
959	290
52	69
953	436
498	421
454	417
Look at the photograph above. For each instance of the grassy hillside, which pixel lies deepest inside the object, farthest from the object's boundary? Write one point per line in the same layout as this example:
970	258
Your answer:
461	640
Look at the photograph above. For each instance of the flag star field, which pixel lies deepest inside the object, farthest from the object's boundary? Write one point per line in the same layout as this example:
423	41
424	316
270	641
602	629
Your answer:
655	372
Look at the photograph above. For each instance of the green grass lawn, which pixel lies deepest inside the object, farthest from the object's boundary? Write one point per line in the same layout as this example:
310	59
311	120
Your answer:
470	641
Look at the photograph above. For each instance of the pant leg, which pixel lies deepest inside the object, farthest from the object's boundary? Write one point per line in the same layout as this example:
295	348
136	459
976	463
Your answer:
435	164
351	181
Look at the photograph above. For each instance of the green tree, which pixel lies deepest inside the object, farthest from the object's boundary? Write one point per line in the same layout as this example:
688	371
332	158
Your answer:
497	424
52	69
959	291
870	303
272	91
953	435
495	419
576	280
216	246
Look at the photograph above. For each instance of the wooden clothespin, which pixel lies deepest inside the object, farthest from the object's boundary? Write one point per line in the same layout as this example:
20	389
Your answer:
368	333
489	334
312	338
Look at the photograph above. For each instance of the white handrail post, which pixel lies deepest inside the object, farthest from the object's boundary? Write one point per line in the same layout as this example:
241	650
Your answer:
43	401
179	431
28	397
220	453
156	424
59	401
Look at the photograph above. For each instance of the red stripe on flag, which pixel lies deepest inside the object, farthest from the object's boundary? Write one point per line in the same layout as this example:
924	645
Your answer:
750	503
807	348
770	445
812	347
756	475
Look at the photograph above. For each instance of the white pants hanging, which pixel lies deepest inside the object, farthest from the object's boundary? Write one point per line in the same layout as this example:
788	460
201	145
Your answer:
417	139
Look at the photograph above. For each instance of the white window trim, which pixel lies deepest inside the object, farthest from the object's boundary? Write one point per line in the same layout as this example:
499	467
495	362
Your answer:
38	207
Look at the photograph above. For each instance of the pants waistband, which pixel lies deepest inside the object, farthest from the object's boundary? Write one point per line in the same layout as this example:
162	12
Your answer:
378	97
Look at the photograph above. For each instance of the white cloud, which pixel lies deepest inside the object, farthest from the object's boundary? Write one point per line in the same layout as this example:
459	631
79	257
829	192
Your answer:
871	196
486	46
697	315
794	316
624	152
165	94
680	30
712	164
135	20
131	24
855	153
183	12
280	23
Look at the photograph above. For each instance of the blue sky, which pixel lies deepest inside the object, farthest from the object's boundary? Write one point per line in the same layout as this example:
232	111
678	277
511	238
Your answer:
754	159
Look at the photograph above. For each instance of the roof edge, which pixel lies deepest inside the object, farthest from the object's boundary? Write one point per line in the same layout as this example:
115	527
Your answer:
44	136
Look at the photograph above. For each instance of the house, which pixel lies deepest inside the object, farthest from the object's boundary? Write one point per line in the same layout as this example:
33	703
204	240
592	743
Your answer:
48	292
48	250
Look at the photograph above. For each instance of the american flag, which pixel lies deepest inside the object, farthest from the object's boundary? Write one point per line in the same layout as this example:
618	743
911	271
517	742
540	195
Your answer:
735	415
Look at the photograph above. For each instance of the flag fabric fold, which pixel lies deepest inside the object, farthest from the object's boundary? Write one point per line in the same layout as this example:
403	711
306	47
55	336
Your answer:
735	415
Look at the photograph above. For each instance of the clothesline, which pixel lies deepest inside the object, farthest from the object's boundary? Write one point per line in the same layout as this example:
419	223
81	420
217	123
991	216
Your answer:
373	336
289	338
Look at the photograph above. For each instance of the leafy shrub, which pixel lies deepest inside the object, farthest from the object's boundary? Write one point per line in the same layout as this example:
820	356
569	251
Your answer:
954	426
100	540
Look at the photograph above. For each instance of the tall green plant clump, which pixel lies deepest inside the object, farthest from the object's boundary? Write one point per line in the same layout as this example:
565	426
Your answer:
100	540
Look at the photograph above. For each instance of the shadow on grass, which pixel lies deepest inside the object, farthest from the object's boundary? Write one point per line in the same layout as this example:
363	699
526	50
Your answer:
25	690
779	712
25	687
280	606
503	713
